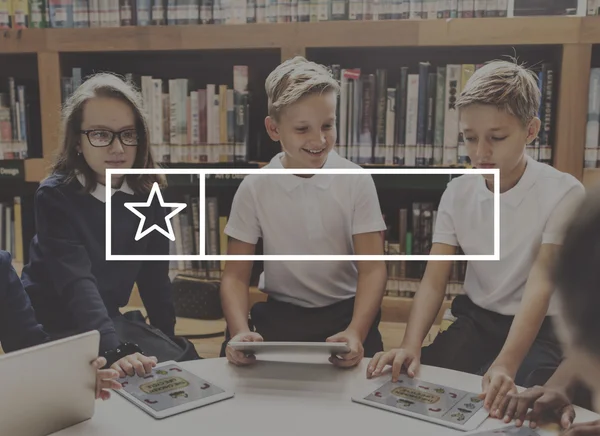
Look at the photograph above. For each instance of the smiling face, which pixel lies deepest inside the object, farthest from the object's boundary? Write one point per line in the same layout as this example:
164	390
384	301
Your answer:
306	130
106	114
496	139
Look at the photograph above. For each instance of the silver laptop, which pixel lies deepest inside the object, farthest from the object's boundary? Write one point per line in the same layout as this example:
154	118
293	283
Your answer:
49	387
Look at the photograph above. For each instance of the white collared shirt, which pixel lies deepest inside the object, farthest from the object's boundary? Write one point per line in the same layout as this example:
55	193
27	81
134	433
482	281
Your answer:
99	192
316	215
534	212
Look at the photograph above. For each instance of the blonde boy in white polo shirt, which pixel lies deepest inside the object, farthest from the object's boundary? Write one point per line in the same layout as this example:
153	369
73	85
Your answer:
318	214
498	117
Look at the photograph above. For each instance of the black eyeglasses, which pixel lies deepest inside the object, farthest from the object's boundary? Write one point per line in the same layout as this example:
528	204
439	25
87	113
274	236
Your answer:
104	138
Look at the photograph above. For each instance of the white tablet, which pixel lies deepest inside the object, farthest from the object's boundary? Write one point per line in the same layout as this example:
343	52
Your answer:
49	387
291	347
170	390
427	401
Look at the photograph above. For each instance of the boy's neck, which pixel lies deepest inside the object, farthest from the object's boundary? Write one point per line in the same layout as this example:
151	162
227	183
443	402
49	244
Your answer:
285	162
509	181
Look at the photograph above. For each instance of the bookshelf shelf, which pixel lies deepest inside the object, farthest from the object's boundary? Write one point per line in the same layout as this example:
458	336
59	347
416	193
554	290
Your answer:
452	32
590	30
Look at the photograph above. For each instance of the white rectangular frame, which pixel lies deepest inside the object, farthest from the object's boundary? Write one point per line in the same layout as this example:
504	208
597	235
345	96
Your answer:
203	172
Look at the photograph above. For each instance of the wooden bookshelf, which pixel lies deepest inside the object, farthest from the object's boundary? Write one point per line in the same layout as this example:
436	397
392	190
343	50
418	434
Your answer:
570	42
574	34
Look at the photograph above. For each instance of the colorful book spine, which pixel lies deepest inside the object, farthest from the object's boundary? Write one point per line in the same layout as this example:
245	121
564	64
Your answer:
412	119
381	115
242	112
390	124
20	14
438	141
592	137
401	106
453	82
5	14
463	155
61	13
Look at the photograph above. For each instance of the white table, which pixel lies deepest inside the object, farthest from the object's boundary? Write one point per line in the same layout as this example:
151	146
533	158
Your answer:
280	398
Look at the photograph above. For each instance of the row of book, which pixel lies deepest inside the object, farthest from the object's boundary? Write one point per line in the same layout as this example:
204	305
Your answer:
592	138
385	118
11	229
411	119
410	234
13	122
188	125
116	13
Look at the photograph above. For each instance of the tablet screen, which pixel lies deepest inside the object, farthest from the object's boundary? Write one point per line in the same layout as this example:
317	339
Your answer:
168	386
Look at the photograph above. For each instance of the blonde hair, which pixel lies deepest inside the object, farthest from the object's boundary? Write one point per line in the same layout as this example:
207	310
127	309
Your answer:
508	86
69	162
294	79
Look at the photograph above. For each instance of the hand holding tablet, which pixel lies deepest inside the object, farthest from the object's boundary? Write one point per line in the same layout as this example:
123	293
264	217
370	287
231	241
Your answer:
240	357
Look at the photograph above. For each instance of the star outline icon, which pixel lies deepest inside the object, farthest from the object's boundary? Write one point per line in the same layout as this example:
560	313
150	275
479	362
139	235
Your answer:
155	191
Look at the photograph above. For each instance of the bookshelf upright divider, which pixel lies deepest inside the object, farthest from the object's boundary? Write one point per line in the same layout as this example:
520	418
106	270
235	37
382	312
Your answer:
50	102
572	108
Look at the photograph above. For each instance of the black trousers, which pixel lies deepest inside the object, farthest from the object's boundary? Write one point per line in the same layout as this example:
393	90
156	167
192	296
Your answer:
278	321
475	339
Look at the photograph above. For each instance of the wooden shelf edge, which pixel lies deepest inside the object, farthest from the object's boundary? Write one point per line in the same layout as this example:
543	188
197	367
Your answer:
36	170
163	38
590	30
591	177
294	38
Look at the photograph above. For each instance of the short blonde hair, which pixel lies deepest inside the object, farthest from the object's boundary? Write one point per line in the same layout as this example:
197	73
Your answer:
508	86
294	79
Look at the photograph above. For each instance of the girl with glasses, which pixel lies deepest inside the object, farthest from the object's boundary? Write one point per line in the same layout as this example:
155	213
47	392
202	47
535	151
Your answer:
71	286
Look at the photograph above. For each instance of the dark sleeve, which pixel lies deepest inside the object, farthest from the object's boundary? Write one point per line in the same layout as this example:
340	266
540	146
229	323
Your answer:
18	326
69	266
153	281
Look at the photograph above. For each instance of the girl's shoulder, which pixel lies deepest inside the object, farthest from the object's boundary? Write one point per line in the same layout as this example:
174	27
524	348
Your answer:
59	181
58	186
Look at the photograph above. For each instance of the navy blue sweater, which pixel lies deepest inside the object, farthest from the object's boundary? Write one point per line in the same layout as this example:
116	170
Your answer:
18	326
71	285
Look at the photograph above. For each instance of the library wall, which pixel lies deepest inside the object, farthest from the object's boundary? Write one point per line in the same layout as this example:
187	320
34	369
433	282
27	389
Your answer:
201	67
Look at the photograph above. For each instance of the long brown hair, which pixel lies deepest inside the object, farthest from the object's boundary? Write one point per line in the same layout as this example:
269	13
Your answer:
69	162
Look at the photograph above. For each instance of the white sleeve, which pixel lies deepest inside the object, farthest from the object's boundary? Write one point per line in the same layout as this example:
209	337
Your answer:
243	221
367	212
445	232
562	214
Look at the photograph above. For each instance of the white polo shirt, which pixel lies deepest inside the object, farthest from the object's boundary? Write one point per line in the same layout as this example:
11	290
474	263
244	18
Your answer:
316	215
534	212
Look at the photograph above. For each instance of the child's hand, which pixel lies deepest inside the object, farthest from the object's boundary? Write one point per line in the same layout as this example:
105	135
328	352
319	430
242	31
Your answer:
397	358
584	429
240	358
134	364
543	401
497	384
105	379
356	353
